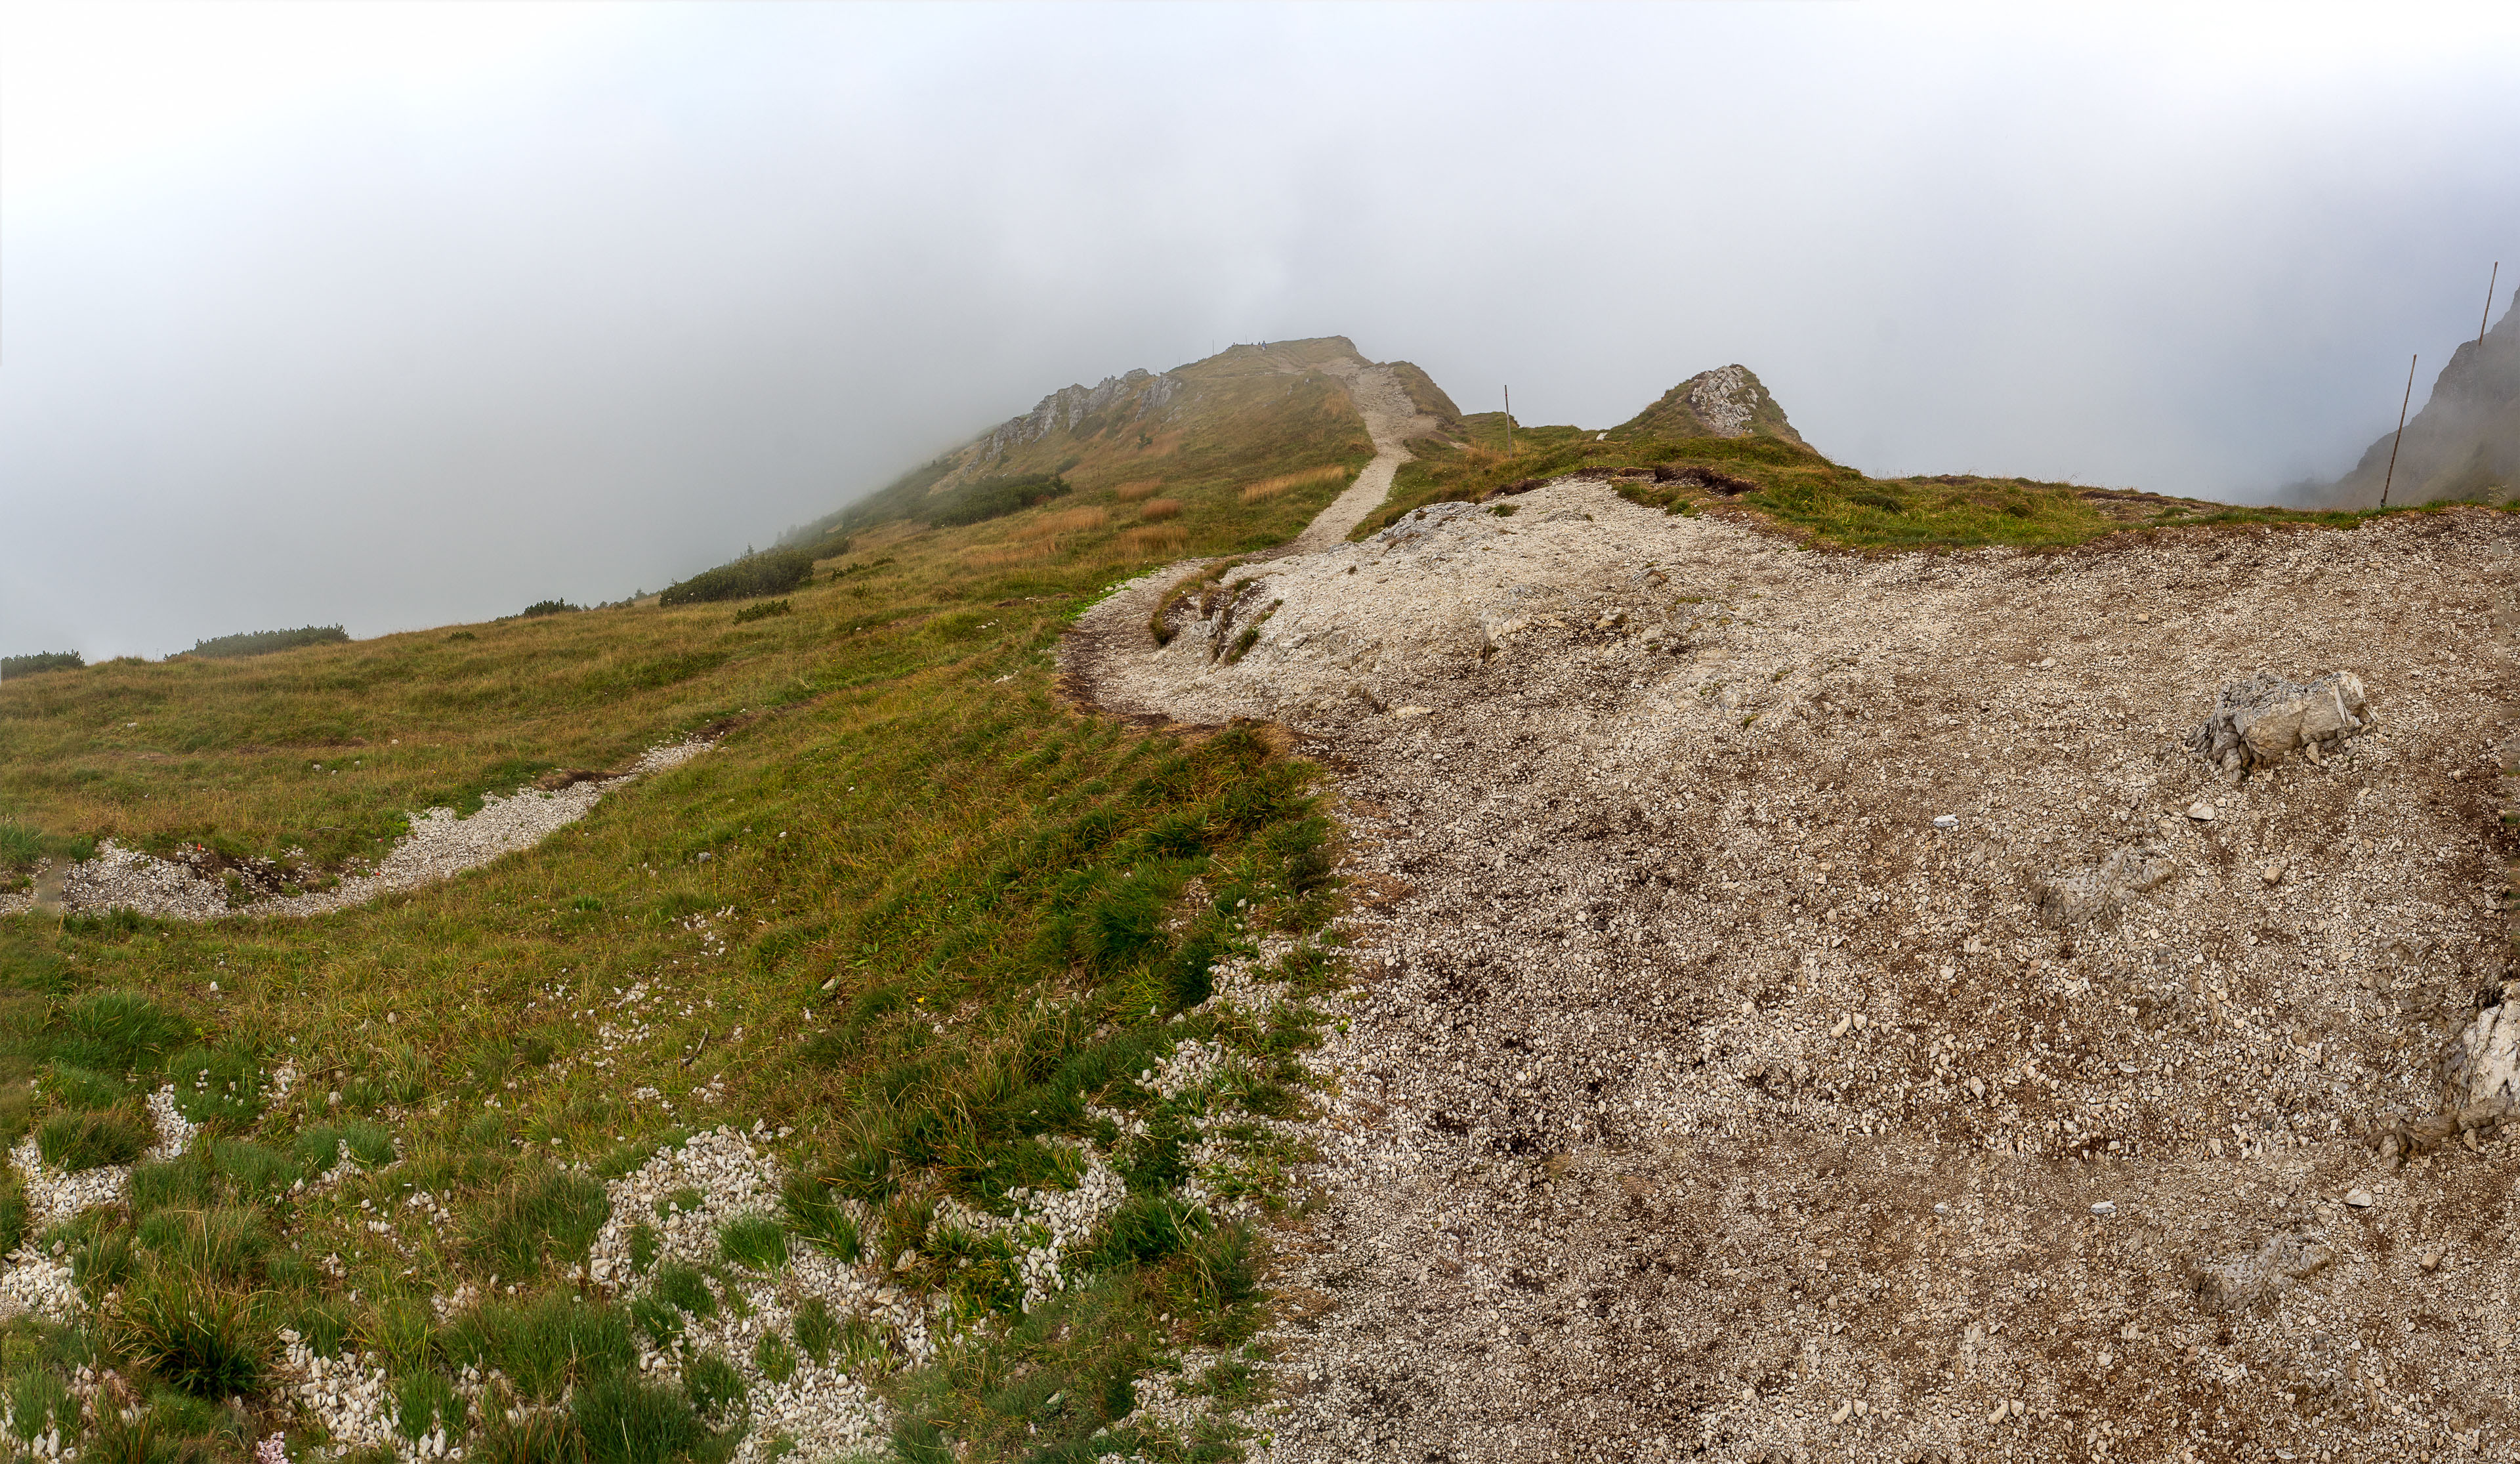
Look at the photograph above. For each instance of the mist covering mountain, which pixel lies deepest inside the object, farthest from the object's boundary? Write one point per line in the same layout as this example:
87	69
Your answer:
2465	442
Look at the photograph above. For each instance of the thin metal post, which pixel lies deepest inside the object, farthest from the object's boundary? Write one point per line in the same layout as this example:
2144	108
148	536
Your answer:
2401	432
2495	279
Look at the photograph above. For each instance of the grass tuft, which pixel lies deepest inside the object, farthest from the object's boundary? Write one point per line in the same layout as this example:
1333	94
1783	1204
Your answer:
91	1140
754	1242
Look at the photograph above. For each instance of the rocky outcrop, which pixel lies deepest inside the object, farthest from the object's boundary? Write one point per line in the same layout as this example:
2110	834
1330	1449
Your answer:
1139	392
1730	401
2480	1066
2465	442
2259	722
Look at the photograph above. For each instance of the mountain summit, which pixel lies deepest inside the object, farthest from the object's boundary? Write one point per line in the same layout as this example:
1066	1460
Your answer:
1246	414
2464	444
1730	401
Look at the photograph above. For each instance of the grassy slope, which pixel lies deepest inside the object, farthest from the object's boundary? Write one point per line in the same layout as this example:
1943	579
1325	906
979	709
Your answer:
1804	494
914	911
1243	415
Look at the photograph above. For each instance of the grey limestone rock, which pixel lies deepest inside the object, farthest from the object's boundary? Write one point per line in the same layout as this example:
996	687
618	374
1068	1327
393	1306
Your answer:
2260	721
2480	1065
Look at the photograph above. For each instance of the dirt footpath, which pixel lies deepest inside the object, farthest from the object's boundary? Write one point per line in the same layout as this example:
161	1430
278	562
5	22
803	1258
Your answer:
1727	1078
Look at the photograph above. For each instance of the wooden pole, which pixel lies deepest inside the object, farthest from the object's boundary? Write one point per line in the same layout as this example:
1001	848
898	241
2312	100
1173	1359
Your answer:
2491	281
1509	422
2401	432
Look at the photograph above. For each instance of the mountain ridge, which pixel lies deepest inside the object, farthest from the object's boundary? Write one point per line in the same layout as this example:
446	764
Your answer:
2464	443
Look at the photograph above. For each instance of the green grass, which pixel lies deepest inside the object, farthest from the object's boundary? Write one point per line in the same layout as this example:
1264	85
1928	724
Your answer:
1803	495
944	917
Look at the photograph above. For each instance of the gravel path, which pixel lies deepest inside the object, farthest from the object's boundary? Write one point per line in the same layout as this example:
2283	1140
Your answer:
1390	420
1707	1094
440	846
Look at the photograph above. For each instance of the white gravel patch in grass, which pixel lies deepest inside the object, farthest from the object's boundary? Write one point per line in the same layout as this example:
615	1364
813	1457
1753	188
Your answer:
55	1195
351	1397
1047	1222
440	846
40	1284
827	1407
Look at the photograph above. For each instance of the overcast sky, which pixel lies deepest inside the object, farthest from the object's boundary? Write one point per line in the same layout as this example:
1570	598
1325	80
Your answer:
401	316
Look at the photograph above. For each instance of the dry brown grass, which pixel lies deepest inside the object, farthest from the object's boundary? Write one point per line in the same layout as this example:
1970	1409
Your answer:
1130	493
1012	555
1157	510
1287	483
1065	521
1163	541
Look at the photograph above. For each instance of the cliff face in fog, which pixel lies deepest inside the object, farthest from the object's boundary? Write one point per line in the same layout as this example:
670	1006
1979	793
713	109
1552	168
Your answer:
2464	444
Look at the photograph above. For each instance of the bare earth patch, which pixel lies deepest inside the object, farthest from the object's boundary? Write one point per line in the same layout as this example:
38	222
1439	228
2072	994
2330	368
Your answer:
1817	1008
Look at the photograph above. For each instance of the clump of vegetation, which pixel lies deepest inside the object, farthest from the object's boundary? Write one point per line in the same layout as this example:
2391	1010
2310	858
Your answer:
1202	584
762	611
43	660
542	607
1788	485
773	571
91	1140
985	498
265	642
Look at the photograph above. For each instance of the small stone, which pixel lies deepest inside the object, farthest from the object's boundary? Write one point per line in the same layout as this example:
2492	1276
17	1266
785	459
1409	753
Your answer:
2104	1209
1947	821
2201	810
2432	1257
1411	711
1942	1209
2359	1199
2273	873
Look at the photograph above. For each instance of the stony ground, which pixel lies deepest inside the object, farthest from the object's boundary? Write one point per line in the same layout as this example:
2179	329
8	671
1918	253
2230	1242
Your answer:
1718	1083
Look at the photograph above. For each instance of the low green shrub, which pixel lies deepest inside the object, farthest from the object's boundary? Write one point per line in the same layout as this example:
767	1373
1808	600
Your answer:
762	611
773	571
264	643
42	661
541	607
992	498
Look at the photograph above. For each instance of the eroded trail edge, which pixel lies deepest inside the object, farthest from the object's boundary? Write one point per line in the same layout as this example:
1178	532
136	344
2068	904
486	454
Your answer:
1727	1077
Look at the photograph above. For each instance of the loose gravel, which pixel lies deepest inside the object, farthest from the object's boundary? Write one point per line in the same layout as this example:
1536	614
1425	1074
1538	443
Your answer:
1726	1075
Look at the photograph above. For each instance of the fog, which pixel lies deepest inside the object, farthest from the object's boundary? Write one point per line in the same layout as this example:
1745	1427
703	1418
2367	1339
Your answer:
395	317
